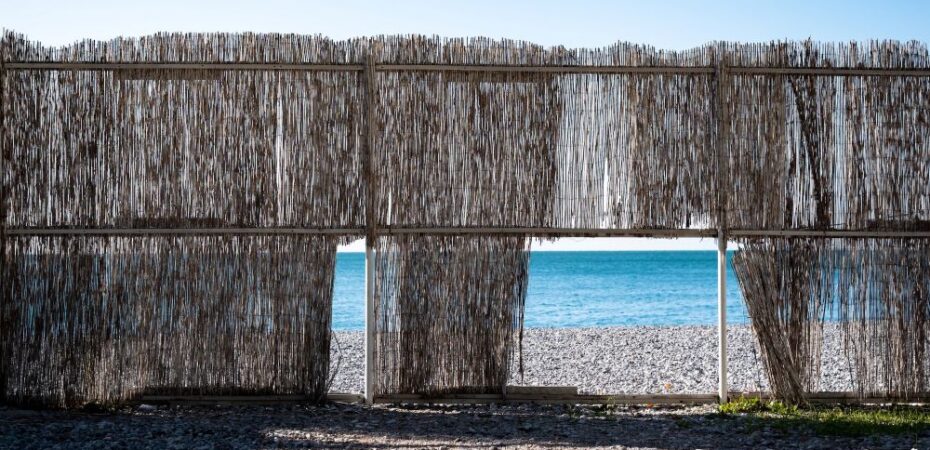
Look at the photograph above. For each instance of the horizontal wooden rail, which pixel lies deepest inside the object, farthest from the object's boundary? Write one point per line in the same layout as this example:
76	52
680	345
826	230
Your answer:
181	66
472	231
670	70
479	68
875	234
657	70
830	71
179	231
544	231
381	231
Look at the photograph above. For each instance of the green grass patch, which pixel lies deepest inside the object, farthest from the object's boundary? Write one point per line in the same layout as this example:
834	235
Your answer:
841	421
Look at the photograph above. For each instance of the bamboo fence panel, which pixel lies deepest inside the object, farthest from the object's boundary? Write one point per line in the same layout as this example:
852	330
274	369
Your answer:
546	149
175	149
786	298
876	288
887	161
464	150
884	306
830	152
258	141
448	312
184	149
105	319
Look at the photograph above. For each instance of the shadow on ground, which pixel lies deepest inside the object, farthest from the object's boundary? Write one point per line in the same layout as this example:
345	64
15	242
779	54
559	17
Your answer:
340	426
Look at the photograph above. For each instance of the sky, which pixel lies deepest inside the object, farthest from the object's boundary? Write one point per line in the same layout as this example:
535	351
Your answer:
573	23
669	24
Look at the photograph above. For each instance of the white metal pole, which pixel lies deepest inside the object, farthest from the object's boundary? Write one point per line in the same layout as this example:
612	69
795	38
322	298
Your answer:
721	116
369	323
722	314
371	234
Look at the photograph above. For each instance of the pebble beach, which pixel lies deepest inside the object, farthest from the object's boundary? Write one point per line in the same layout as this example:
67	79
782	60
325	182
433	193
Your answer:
624	360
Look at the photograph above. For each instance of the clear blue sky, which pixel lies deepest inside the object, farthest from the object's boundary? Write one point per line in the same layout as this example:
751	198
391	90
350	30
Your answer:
667	24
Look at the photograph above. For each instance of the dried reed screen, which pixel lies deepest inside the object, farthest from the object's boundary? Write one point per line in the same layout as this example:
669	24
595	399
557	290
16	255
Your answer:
635	151
183	149
786	294
101	319
833	152
448	311
879	289
884	305
542	149
829	152
687	146
466	149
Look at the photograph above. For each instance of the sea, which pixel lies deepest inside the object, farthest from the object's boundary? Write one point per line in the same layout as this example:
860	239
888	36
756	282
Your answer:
573	289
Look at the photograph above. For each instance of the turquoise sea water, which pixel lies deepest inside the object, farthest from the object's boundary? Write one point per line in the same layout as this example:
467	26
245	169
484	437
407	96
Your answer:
586	289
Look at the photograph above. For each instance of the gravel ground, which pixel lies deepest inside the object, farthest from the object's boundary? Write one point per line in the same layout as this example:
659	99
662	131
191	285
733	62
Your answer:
625	360
603	360
348	426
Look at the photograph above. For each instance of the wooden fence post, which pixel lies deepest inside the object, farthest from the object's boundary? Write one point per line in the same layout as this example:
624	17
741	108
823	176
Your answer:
3	214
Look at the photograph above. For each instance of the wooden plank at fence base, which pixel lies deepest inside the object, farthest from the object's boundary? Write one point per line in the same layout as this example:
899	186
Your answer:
342	397
338	397
541	390
554	399
849	398
214	399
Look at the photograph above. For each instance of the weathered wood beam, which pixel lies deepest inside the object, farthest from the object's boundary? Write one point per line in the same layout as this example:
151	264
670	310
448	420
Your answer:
553	69
51	65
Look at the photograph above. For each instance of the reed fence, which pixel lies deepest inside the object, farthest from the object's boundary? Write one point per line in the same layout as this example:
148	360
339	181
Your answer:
170	204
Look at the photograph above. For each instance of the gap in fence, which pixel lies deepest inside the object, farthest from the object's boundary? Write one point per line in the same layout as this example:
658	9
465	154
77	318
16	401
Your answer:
608	315
624	316
347	349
